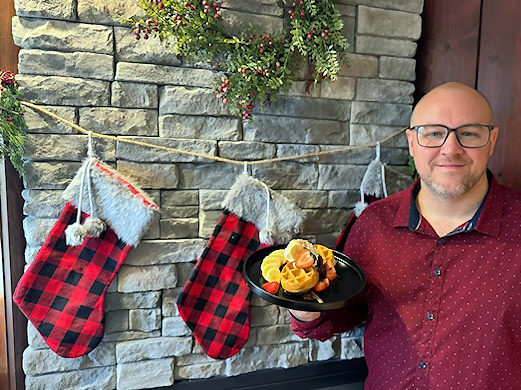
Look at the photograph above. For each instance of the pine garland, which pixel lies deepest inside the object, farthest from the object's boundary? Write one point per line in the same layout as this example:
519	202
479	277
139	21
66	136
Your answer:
256	67
13	128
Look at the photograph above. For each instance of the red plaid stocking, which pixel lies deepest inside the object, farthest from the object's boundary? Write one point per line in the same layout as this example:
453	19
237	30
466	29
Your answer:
63	290
215	301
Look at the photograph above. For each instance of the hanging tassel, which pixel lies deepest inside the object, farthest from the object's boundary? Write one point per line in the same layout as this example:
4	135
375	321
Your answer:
94	227
93	224
266	235
373	182
75	234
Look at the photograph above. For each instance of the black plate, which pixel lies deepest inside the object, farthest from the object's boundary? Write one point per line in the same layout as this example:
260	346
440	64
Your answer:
349	283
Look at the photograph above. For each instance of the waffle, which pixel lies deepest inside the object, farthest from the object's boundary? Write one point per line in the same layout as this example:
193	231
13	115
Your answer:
270	267
298	280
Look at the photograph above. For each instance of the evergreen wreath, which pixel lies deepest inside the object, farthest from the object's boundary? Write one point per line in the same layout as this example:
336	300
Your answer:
256	67
13	128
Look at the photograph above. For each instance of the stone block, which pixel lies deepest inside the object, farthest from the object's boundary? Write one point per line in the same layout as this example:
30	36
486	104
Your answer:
319	221
43	361
66	147
212	199
134	152
345	155
179	227
385	46
390	23
38	122
108	12
302	89
150	175
329	239
31	252
199	127
161	74
392	91
134	95
359	65
37	229
415	6
145	374
340	177
67	91
116	321
307	107
381	113
200	371
90	379
154	230
154	50
138	300
53	175
34	339
324	350
236	22
310	199
269	356
144	320
397	68
208	176
343	199
184	271
43	203
165	252
168	303
171	199
246	150
175	326
190	100
180	212
130	335
349	31
290	150
288	175
277	334
352	349
49	9
32	33
370	134
264	316
263	7
76	64
152	348
120	121
207	222
341	88
303	131
147	278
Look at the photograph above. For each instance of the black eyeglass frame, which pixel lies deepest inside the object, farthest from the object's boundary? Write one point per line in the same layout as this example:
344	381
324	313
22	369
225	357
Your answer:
450	130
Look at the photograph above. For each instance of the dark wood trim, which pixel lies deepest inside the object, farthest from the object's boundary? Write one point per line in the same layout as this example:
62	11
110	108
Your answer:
8	50
314	375
13	247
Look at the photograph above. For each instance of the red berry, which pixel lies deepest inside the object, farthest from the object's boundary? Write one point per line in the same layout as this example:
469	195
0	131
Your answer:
262	45
225	101
277	64
219	95
217	16
215	4
291	17
161	5
302	13
254	93
310	36
324	34
261	51
243	70
268	36
301	2
326	30
205	11
205	2
272	287
9	119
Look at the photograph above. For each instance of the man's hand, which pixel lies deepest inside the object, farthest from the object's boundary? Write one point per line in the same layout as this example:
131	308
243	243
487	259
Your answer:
305	316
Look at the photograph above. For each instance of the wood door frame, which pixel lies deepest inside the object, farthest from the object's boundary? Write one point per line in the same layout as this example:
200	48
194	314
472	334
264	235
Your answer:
11	228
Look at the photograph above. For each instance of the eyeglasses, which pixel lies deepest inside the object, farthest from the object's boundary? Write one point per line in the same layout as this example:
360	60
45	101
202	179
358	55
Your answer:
469	136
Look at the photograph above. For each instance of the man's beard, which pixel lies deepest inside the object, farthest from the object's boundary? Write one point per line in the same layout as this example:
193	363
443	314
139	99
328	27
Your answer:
444	191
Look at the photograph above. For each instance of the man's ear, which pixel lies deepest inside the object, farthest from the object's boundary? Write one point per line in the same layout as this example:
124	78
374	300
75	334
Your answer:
493	138
411	138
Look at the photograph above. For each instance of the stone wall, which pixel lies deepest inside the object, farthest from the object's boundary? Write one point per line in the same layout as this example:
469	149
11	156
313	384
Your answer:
78	61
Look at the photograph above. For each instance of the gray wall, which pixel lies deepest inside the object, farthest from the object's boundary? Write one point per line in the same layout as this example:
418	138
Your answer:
79	62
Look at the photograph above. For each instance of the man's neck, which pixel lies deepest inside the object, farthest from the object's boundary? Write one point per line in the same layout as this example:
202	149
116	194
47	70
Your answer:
446	214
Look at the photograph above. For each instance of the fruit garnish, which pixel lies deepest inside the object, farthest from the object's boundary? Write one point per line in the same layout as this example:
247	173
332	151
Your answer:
271	287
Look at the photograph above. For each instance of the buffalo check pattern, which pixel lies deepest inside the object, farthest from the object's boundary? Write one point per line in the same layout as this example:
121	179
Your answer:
63	291
215	301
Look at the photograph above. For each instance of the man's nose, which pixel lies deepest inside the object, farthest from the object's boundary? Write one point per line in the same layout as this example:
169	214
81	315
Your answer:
451	144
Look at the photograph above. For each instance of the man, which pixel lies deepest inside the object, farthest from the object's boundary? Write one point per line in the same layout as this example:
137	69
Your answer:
442	303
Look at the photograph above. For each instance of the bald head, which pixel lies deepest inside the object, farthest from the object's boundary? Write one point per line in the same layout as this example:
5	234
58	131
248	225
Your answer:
454	103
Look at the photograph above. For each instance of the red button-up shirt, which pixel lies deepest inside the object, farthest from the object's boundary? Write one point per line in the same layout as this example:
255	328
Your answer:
443	313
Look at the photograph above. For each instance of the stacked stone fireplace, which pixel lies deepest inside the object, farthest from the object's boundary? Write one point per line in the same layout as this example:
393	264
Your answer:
80	62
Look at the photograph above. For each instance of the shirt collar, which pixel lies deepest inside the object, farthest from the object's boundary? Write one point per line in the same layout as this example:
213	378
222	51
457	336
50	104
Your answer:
487	219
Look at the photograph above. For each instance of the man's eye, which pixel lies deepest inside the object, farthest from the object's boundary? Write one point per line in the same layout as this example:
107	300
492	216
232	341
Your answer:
469	134
434	134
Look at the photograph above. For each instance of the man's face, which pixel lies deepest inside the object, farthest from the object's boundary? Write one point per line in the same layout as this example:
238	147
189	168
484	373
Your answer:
451	170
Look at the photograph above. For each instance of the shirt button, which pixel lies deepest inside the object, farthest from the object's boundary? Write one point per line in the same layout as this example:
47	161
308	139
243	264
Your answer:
430	316
441	241
437	272
423	365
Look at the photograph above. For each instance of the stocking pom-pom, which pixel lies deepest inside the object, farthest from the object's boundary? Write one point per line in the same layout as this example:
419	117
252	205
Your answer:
359	207
75	234
94	226
266	236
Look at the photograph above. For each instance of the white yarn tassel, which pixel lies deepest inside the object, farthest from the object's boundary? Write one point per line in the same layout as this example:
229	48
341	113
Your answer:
266	235
93	225
76	233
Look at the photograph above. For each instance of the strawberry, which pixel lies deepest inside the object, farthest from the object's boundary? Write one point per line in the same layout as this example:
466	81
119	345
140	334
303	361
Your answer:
271	287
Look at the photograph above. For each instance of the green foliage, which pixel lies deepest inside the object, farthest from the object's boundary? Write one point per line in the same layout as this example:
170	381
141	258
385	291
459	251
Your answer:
256	67
13	128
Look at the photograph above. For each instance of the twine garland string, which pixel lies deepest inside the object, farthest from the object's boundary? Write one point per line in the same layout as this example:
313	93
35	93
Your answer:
216	158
